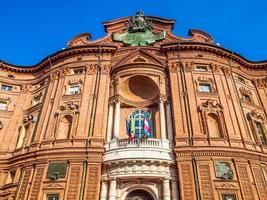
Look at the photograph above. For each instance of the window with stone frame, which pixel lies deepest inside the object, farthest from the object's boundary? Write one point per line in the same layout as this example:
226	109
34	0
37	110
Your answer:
229	197
246	95
52	196
223	170
241	79
3	105
260	132
204	87
78	70
74	89
6	87
201	68
36	99
11	176
257	125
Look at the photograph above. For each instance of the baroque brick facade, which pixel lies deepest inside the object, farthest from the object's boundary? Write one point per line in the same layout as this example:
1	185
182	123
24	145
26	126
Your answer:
65	122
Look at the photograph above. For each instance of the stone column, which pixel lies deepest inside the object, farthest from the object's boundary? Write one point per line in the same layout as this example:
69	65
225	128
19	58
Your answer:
169	122
117	119
162	118
174	190
110	121
104	191
112	190
166	189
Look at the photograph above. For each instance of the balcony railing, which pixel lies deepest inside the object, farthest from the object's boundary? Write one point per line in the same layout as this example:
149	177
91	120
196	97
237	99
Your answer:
150	148
126	143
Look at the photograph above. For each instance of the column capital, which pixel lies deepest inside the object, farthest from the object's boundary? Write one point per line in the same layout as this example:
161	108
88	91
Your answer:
163	98
115	99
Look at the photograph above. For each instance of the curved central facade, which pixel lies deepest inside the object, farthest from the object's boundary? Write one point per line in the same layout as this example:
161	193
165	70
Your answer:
140	114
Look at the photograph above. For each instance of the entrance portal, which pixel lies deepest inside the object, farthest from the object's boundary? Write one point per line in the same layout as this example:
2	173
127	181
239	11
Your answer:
139	195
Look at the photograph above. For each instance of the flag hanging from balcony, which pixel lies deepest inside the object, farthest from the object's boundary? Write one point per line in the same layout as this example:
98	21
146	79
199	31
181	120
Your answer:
131	129
147	132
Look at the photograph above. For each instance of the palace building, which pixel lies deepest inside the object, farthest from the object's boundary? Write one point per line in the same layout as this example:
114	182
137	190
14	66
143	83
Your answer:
140	114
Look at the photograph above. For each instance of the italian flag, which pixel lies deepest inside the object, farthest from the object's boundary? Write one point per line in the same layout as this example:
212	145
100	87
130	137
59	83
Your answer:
132	128
146	128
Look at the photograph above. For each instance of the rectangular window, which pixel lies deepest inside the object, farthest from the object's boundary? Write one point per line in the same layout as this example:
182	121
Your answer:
3	105
205	87
36	100
229	197
240	79
246	97
52	197
78	71
201	68
75	89
6	87
261	133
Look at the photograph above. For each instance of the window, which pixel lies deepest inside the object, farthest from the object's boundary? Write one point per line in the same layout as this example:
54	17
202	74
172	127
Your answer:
246	97
139	124
261	134
36	100
3	105
240	79
11	176
229	197
52	197
78	71
75	89
6	87
205	87
201	68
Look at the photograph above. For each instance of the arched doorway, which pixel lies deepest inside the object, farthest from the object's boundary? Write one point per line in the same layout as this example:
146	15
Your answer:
139	195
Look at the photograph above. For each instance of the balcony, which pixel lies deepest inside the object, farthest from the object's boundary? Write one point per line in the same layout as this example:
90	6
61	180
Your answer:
138	149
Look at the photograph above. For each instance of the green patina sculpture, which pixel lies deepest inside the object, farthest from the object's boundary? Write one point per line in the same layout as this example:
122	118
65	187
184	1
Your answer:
139	32
223	170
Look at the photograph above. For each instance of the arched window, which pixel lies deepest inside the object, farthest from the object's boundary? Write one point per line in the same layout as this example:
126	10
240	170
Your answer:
213	125
139	124
64	128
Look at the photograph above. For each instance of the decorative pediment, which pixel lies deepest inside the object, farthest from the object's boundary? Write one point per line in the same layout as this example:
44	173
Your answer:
254	115
75	82
30	119
68	108
211	106
138	56
53	186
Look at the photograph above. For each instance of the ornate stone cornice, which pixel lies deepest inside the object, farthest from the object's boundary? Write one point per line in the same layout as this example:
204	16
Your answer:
68	52
215	49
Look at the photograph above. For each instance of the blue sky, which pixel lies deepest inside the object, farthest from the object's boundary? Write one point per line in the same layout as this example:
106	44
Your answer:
33	29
